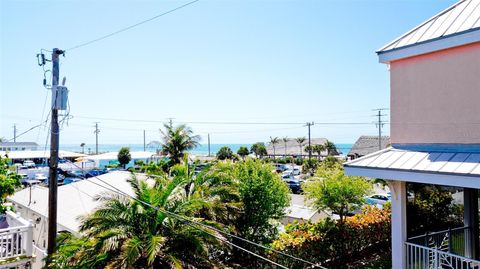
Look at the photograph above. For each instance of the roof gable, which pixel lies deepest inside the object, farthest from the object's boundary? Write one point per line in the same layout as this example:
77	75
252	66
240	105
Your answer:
461	18
368	144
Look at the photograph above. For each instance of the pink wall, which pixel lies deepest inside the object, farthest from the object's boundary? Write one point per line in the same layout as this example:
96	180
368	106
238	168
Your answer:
435	98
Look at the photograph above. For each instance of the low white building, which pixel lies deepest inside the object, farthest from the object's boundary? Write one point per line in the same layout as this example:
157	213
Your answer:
74	200
18	146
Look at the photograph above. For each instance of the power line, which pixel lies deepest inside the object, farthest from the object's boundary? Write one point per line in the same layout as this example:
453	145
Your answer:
32	128
225	122
118	191
130	27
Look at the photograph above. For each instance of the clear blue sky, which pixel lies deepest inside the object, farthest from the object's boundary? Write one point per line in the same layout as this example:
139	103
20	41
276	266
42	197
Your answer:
260	61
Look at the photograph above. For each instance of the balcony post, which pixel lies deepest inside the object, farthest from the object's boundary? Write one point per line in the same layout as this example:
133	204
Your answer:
399	223
470	220
29	241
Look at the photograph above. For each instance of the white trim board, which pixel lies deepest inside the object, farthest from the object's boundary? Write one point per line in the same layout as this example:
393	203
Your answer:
442	43
418	177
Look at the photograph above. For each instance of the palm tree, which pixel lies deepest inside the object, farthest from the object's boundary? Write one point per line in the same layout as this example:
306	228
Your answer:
285	141
126	233
273	142
330	147
82	145
318	149
177	140
300	141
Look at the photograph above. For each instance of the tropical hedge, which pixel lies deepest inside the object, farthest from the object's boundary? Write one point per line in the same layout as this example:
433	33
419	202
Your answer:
333	244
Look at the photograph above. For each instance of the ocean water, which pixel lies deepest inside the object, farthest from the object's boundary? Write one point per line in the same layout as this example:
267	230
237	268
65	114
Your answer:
200	150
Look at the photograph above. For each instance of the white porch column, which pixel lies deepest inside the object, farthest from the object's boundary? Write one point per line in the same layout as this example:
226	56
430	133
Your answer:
399	223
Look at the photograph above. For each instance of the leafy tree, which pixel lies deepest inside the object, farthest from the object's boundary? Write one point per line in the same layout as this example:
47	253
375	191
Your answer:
263	197
243	152
310	166
330	163
9	181
177	140
274	141
124	156
432	209
337	192
300	141
224	153
258	149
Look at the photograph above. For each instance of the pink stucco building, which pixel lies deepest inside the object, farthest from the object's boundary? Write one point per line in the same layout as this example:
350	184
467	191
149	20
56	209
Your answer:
435	129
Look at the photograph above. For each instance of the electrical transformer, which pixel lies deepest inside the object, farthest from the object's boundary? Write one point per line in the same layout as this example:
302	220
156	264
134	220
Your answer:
59	97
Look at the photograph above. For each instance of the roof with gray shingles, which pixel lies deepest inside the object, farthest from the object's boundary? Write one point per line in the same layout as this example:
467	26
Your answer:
367	144
462	17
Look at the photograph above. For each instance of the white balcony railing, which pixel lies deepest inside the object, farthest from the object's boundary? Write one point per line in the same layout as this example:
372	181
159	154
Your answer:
16	240
422	257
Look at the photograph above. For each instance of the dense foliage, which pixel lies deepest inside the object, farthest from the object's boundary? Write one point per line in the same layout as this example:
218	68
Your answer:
243	152
225	153
124	156
432	209
258	149
244	198
339	244
9	181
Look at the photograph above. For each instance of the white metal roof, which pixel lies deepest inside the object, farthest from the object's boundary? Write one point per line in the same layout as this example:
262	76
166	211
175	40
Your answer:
74	200
460	22
113	155
33	154
435	167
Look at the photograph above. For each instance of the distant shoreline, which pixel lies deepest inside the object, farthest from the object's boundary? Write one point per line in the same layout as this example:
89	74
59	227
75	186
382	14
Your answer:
202	149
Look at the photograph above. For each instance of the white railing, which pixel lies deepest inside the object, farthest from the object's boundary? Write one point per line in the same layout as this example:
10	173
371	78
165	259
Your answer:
40	254
16	240
420	257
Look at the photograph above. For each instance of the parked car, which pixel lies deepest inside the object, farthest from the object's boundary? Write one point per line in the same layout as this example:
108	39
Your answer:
294	171
378	199
29	164
294	185
280	167
40	177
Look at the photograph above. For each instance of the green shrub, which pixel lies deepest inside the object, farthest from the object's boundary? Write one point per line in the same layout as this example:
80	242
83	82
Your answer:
331	241
299	161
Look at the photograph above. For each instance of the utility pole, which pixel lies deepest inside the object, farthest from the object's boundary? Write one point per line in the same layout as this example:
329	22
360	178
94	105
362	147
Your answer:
380	124
53	163
309	124
96	137
208	145
14	133
144	145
